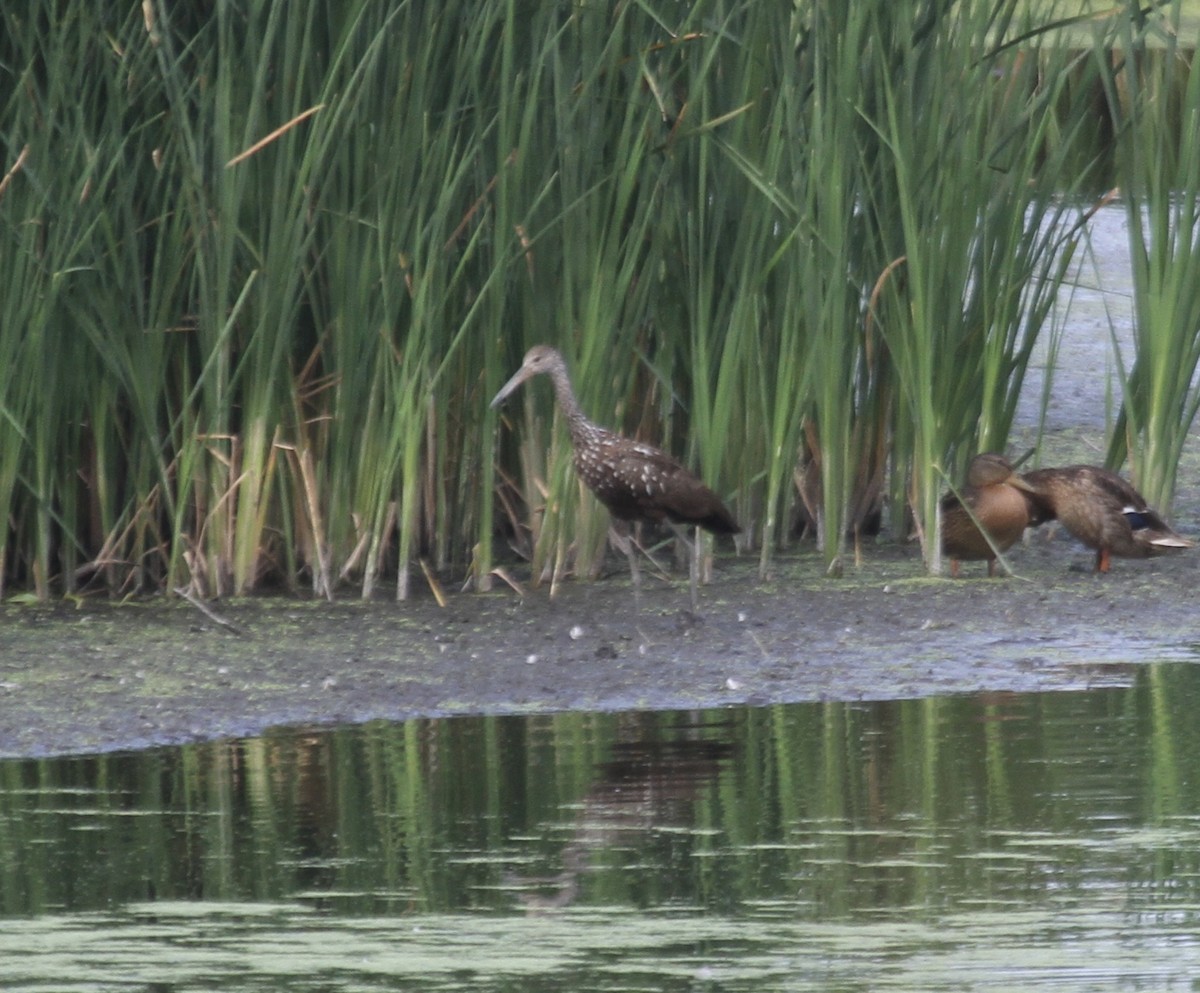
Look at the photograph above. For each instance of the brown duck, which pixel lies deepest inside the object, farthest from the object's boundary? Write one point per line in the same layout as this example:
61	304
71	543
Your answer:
1104	512
995	498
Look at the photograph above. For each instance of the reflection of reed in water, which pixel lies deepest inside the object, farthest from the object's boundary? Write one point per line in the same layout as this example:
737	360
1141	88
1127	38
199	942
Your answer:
645	786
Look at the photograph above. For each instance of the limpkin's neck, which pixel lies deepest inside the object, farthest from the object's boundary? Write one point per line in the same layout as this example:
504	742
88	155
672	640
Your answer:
582	430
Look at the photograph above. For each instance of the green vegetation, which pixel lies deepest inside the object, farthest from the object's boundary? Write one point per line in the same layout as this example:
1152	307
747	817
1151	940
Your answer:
266	263
1155	102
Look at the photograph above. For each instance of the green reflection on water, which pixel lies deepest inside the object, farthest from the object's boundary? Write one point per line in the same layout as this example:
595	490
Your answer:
990	842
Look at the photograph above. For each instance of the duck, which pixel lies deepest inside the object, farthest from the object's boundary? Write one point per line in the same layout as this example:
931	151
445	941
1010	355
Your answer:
995	497
1104	511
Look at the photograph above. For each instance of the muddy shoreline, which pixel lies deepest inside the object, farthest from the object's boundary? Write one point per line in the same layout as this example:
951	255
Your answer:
100	677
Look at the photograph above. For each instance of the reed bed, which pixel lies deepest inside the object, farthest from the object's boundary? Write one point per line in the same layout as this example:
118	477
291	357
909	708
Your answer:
1154	99
267	263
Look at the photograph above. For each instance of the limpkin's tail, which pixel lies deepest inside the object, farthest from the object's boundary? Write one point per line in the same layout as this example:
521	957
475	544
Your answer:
685	499
708	513
720	521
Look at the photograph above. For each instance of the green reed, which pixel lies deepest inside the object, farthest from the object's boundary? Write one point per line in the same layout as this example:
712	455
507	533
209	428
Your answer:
968	194
1154	99
268	263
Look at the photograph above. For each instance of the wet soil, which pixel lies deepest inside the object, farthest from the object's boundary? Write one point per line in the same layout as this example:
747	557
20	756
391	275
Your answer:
101	677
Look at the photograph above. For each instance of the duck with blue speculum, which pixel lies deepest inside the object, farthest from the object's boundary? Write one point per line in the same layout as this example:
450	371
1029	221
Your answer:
635	481
995	500
1103	511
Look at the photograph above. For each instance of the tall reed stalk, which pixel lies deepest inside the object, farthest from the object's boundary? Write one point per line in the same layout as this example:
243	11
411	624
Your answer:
1154	96
971	197
267	264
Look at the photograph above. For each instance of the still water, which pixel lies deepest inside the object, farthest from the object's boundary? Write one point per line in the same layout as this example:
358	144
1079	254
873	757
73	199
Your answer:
986	842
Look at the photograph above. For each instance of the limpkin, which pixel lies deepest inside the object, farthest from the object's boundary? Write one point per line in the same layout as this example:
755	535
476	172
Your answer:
995	499
1104	512
635	481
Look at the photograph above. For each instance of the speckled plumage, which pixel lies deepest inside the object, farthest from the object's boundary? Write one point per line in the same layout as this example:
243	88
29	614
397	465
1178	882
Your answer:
1104	512
635	481
997	498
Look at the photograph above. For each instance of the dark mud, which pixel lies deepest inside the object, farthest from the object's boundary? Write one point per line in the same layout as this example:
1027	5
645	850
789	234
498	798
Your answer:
102	677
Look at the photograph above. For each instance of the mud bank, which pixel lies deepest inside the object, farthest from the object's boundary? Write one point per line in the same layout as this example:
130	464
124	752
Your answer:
101	677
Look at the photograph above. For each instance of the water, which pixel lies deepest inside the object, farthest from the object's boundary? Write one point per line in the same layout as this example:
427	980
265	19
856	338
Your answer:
984	842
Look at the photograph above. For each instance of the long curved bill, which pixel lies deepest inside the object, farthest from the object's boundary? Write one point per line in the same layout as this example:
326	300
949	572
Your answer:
518	378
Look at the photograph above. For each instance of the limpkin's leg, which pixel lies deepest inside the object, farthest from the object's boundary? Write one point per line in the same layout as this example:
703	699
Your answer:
623	539
694	571
693	548
704	546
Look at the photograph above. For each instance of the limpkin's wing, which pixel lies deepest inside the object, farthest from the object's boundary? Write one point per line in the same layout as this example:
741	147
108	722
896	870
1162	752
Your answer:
648	483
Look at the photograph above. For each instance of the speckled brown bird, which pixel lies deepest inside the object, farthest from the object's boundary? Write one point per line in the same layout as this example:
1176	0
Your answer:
635	481
1104	512
997	499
